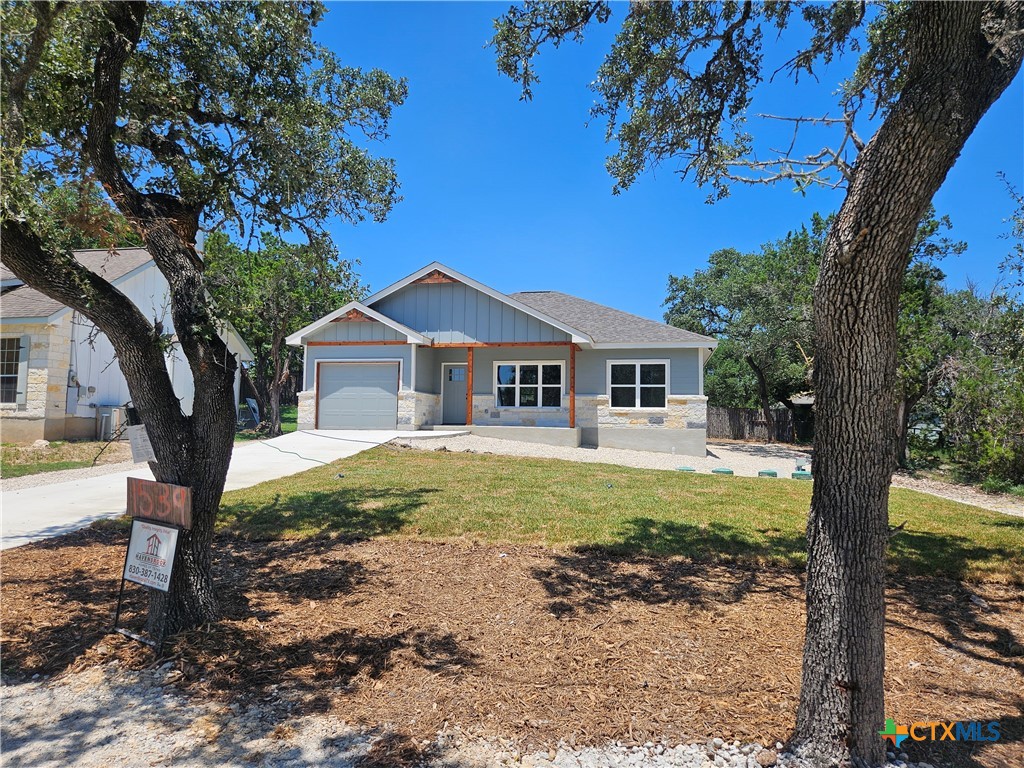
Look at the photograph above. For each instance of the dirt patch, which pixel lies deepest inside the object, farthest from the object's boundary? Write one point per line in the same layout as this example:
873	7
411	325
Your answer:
519	644
107	453
24	466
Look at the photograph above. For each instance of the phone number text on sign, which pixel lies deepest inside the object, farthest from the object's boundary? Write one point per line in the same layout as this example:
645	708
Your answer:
151	551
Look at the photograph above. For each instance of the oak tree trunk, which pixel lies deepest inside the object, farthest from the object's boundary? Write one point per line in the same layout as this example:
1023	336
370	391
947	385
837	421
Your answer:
190	450
194	450
904	407
280	372
762	391
274	411
957	67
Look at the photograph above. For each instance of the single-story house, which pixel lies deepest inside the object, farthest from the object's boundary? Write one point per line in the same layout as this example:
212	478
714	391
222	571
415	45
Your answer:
59	377
438	348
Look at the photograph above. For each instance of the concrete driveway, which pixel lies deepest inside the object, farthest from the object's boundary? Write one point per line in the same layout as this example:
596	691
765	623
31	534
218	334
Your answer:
38	513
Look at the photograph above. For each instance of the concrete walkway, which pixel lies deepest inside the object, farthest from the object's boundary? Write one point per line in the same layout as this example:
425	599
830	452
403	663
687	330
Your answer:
38	513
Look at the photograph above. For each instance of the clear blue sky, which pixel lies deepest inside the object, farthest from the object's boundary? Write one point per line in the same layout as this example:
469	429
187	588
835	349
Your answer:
515	193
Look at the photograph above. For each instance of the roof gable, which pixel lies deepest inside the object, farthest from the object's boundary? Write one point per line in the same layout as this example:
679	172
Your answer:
356	312
23	303
512	317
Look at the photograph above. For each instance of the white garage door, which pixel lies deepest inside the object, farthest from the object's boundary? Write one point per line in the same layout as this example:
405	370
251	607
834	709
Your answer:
358	396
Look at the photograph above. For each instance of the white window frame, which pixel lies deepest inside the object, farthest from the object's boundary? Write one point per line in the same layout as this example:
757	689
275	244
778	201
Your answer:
540	387
21	387
637	363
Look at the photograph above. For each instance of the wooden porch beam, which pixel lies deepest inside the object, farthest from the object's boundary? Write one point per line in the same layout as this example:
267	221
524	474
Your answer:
477	344
353	343
572	386
469	387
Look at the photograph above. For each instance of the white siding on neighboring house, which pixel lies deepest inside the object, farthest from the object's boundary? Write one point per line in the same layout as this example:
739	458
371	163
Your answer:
94	362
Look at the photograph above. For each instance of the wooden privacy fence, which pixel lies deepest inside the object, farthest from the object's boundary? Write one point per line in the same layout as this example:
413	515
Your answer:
749	424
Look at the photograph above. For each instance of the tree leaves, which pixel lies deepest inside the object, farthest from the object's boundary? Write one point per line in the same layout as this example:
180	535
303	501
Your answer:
274	290
760	304
232	108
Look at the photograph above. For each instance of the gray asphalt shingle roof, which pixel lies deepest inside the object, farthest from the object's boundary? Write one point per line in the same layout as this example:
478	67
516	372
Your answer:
28	302
604	324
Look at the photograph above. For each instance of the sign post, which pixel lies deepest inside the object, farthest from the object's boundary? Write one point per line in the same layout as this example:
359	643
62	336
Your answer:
159	512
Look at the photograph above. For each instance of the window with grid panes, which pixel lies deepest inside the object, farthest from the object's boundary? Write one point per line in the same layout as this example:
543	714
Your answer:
529	385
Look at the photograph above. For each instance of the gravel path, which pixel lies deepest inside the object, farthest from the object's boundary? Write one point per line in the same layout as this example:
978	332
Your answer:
744	459
997	502
105	716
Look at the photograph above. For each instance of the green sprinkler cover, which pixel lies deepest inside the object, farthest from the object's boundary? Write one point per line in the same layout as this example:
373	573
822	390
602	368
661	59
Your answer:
721	471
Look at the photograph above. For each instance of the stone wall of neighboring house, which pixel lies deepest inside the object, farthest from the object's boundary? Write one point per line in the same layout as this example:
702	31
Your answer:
43	414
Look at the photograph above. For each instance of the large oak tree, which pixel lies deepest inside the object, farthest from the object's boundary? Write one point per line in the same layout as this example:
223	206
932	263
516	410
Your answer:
677	85
271	291
190	115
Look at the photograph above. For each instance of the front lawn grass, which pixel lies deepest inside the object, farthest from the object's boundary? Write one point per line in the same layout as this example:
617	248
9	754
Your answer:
424	494
20	470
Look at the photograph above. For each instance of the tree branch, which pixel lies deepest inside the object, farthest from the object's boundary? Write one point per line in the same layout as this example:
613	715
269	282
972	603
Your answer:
17	81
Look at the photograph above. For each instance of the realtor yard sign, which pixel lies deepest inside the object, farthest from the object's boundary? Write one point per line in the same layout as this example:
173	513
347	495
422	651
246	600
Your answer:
159	512
150	557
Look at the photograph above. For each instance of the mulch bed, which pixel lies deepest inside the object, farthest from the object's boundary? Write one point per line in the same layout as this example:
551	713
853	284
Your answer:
522	644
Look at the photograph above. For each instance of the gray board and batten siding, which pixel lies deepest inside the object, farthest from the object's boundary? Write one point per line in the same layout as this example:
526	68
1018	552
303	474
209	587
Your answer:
456	313
384	352
591	366
356	331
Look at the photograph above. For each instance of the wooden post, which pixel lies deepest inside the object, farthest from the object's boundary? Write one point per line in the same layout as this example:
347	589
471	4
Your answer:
469	386
572	386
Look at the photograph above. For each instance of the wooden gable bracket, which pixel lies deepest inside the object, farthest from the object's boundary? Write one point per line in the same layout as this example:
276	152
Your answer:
437	276
353	316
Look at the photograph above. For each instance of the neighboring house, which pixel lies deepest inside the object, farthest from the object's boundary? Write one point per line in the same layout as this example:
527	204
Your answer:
439	348
59	376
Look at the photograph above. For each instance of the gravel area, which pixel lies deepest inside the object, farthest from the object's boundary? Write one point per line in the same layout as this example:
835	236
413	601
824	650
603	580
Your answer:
997	502
66	475
106	716
744	459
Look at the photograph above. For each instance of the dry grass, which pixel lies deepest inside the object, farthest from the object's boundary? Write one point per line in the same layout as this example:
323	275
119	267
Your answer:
521	642
18	460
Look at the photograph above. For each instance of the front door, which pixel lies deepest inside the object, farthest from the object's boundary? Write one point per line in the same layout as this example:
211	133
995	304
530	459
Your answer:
453	393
